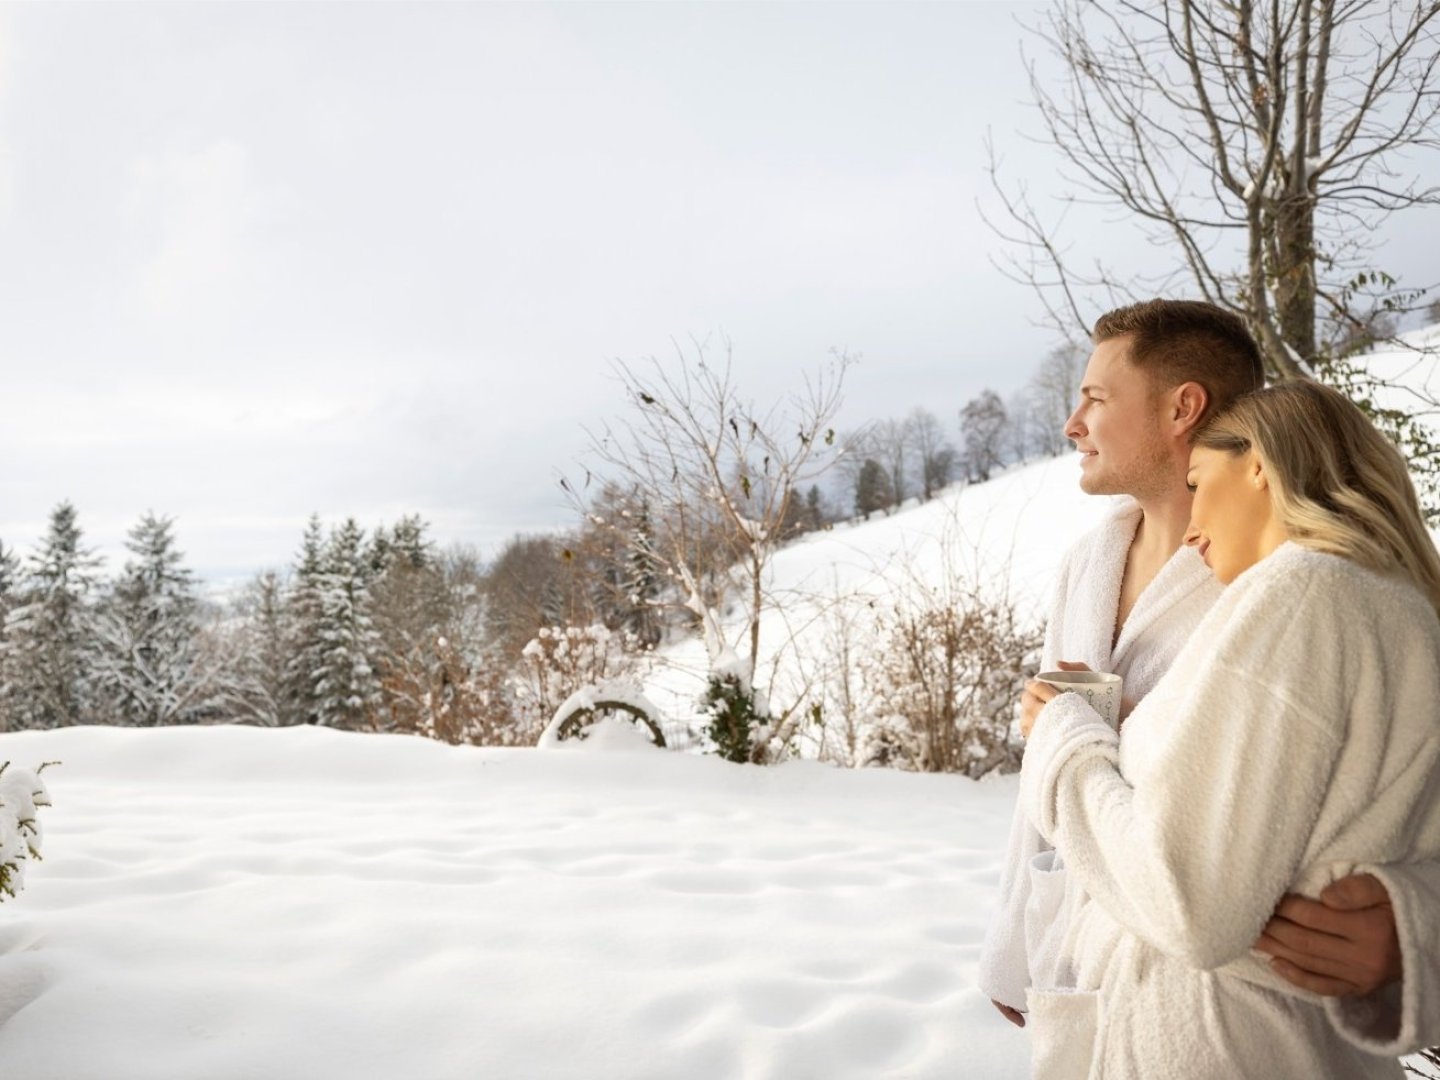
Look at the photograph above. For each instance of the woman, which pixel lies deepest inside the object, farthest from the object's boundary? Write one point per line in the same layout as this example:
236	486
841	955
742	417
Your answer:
1296	739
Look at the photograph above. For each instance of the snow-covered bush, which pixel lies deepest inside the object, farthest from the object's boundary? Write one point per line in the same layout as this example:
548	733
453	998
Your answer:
602	706
559	661
944	678
734	721
22	792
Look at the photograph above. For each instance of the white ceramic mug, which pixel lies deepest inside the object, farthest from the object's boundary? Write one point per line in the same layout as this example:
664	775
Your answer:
1100	689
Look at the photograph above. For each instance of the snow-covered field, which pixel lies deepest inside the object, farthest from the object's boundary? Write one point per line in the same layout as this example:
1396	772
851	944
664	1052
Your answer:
224	903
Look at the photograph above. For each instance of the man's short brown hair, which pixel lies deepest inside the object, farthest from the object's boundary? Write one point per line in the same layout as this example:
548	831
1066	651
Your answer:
1180	341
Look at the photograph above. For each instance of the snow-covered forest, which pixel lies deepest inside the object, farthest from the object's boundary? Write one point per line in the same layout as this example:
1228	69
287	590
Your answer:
385	629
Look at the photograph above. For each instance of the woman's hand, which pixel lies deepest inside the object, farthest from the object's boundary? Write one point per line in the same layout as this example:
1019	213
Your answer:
1038	694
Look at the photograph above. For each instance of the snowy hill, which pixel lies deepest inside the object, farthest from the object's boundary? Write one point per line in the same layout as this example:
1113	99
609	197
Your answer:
1007	534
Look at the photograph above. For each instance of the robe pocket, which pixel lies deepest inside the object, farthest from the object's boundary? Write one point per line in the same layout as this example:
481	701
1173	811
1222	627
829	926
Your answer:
1064	1026
1046	921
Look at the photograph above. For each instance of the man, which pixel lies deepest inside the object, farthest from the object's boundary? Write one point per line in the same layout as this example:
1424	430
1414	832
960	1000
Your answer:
1128	596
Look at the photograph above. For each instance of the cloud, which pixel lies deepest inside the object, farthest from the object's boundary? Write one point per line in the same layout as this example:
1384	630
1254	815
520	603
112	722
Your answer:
8	55
200	210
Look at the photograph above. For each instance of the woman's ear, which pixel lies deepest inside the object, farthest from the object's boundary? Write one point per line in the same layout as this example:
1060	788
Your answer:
1257	473
1189	401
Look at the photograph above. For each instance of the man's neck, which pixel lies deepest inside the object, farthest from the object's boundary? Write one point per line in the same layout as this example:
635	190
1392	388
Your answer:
1163	521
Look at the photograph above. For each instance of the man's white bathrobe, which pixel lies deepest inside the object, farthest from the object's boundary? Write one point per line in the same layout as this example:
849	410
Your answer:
1082	628
1294	740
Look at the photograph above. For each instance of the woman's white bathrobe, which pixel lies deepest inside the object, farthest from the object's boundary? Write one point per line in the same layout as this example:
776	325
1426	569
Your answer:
1295	739
1082	628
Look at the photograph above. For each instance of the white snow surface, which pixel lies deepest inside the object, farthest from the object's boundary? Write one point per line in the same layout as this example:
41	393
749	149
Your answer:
232	902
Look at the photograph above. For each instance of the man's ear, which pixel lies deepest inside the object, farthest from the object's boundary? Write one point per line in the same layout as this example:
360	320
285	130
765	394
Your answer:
1187	406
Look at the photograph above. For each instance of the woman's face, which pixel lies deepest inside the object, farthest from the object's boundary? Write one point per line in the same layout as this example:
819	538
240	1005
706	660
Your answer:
1232	521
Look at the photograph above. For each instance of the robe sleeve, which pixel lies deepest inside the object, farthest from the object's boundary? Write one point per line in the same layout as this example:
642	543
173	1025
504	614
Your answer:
1193	857
1004	972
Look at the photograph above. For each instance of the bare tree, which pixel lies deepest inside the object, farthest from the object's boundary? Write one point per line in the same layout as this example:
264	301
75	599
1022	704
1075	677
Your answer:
1263	145
982	432
535	581
720	475
1051	395
1019	430
890	445
937	456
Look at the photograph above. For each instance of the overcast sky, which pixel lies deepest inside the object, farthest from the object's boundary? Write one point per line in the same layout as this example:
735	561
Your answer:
258	260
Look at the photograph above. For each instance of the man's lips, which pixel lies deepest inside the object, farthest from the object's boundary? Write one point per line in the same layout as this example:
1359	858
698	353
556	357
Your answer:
1203	548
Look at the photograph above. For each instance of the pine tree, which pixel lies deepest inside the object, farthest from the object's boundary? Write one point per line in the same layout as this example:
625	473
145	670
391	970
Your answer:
257	688
410	608
872	489
347	688
49	639
814	512
304	625
409	545
147	667
9	575
9	591
9	584
642	579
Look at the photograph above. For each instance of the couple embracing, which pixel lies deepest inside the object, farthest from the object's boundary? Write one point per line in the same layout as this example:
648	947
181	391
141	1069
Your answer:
1244	881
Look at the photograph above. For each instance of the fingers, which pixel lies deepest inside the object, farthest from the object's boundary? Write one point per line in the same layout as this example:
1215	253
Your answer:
1030	707
1015	1016
1307	914
1037	694
1354	892
1318	984
1072	665
1283	942
1042	690
1359	948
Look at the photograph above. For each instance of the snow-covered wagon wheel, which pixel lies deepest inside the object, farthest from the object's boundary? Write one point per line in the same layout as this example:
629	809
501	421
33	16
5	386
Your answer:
613	698
573	725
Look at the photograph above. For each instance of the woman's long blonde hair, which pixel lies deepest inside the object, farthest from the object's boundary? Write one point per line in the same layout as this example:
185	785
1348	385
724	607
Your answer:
1337	484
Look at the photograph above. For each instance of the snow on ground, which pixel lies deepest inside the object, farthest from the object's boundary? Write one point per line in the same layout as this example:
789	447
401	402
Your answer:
227	903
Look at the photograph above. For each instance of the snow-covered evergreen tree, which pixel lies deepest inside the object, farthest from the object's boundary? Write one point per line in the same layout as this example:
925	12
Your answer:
22	793
9	588
643	579
403	543
410	609
9	577
346	686
48	649
147	668
305	632
261	664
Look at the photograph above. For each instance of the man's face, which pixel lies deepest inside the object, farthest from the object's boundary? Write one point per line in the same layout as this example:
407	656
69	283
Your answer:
1117	426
